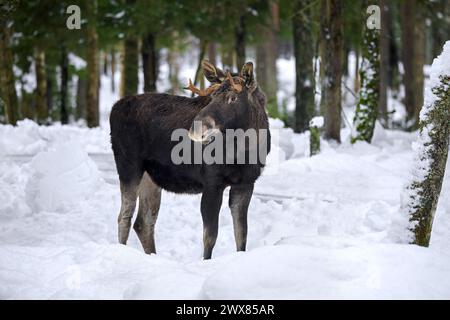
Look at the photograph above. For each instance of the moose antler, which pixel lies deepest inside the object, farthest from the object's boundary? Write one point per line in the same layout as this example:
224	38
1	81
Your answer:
194	89
201	92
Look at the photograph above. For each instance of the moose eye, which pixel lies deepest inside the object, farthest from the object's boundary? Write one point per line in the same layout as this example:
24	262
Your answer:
232	99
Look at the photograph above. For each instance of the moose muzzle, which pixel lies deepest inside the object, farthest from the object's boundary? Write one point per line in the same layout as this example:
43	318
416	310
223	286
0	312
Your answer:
203	130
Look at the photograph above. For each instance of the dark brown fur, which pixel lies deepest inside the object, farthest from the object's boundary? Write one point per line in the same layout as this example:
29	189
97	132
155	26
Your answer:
141	128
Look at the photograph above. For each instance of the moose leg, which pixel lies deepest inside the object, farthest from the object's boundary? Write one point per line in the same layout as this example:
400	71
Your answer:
210	208
239	201
149	202
129	197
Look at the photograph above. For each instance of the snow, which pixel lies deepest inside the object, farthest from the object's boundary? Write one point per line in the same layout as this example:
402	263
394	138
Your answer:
327	227
341	235
47	188
76	61
422	147
317	122
440	67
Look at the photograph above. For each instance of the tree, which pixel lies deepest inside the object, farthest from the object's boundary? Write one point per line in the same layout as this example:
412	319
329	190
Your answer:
240	33
332	68
367	109
431	151
266	57
149	62
314	135
384	62
81	97
64	64
93	68
41	87
304	69
7	81
413	56
130	55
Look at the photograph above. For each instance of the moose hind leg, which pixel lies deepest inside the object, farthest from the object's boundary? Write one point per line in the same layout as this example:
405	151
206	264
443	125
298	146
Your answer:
128	198
149	202
239	201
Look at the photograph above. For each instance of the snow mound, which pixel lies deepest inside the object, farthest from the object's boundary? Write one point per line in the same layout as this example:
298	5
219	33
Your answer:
61	178
12	191
339	270
285	135
91	271
29	138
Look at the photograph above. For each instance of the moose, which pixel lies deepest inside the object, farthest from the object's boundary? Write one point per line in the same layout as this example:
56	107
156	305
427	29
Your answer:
141	129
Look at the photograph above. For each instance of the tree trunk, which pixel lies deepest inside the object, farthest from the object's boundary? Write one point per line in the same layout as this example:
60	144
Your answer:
419	61
50	77
432	152
174	70
356	84
198	74
26	105
41	87
394	55
149	62
81	98
113	70
105	62
440	28
93	71
367	109
130	65
64	83
240	42
212	53
304	69
384	63
266	61
7	83
411	56
332	64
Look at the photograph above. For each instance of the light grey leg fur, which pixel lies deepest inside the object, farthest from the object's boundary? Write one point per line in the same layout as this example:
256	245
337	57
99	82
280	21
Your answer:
149	202
239	201
128	197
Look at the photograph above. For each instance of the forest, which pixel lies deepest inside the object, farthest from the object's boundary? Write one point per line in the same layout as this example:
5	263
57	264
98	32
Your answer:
356	185
135	37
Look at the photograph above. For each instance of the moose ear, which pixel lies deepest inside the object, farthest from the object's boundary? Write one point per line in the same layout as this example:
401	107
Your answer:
247	74
212	73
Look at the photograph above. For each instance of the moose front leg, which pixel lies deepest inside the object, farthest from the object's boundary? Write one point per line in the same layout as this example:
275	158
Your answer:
210	208
240	196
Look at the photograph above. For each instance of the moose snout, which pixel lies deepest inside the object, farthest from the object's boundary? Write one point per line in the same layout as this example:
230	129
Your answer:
202	130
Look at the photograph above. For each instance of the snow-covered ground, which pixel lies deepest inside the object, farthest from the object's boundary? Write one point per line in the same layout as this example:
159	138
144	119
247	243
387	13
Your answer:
328	226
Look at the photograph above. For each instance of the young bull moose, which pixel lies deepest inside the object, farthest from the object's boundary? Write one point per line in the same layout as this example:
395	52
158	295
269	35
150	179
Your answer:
141	131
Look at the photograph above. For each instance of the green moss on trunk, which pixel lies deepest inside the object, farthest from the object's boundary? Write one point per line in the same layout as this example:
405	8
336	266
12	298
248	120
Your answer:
367	109
425	193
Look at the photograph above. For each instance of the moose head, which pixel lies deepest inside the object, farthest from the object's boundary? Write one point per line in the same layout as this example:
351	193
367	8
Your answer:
235	99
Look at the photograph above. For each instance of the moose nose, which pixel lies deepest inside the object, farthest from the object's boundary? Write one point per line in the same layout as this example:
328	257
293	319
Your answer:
202	130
